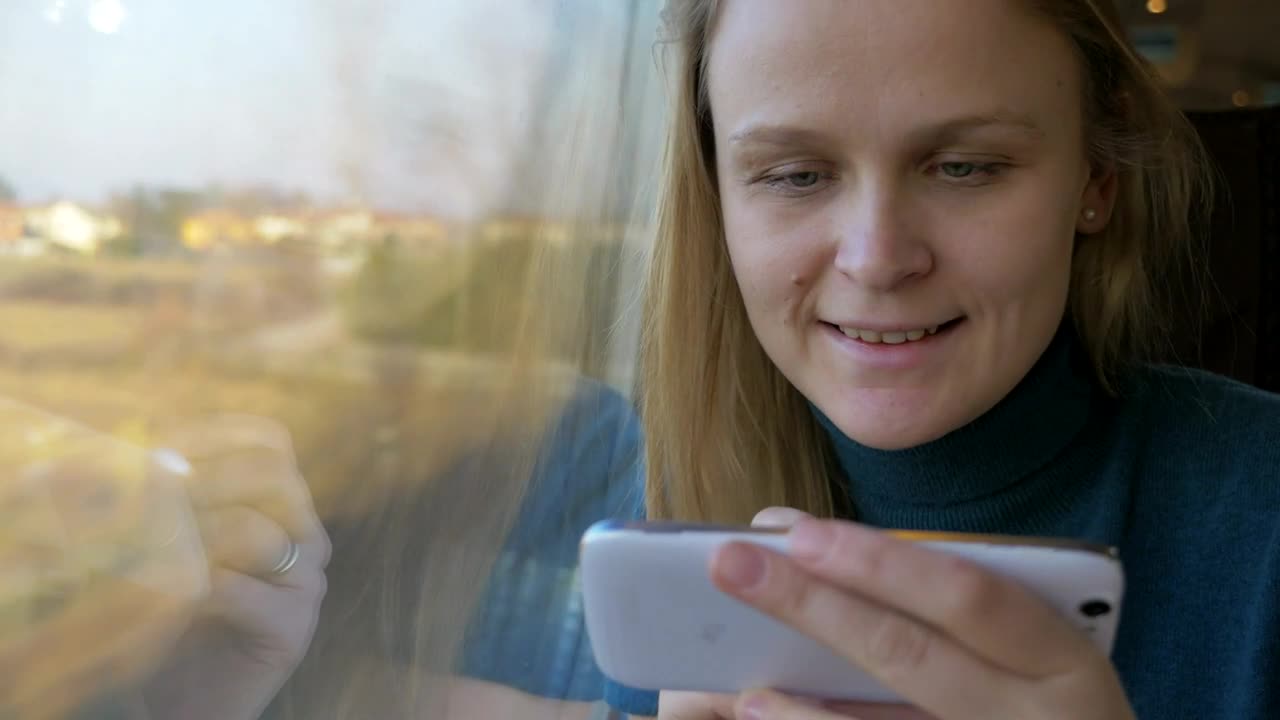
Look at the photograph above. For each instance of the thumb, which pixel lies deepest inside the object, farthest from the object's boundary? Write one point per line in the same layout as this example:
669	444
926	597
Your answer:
778	517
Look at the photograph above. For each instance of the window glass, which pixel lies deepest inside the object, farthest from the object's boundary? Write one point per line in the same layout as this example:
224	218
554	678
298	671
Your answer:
404	234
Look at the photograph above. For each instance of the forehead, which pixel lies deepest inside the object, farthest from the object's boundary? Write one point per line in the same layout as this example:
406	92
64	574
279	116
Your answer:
881	65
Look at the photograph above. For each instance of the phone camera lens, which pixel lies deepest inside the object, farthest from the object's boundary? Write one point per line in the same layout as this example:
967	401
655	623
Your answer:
1095	608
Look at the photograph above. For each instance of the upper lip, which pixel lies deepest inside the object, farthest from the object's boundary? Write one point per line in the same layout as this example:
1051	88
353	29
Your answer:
883	327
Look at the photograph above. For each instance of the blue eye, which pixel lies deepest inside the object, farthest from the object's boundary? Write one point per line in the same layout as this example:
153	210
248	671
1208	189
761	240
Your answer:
959	169
803	179
796	183
969	171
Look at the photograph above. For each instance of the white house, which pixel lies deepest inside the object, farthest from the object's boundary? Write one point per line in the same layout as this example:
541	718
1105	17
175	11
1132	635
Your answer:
71	227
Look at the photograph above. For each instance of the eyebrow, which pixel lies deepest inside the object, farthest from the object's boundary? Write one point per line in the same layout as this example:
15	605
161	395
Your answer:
956	128
766	134
939	133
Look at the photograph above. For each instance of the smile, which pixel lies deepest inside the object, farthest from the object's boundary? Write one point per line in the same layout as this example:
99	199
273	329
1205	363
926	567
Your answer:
895	337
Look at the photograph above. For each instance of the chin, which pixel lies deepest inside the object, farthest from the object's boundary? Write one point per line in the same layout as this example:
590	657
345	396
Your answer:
878	434
890	419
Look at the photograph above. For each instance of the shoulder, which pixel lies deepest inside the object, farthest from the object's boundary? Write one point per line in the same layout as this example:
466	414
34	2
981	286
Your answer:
589	469
1209	434
528	633
594	447
1206	409
596	418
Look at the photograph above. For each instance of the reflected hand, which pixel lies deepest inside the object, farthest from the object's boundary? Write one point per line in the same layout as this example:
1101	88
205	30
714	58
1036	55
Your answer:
267	552
954	640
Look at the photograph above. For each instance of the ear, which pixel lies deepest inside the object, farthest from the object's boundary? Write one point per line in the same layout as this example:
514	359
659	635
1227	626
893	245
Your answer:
1097	201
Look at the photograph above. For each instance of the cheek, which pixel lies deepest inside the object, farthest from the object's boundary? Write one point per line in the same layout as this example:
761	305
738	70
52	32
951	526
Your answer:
774	266
1019	251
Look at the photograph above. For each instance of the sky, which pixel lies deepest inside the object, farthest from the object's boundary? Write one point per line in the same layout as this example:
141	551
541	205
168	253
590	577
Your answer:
399	103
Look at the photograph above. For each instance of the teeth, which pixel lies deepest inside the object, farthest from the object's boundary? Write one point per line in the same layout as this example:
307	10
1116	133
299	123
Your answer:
896	337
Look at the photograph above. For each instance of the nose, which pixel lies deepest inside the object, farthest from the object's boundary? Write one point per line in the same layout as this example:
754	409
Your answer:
878	247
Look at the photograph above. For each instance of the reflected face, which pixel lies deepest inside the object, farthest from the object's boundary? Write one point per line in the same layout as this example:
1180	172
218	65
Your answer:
902	182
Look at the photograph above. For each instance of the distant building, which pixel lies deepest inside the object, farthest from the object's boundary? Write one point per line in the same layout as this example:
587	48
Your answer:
279	227
505	229
214	228
339	230
410	229
343	230
69	226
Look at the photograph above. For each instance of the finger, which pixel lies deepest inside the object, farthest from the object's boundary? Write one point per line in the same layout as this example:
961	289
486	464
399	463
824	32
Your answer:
213	435
768	705
919	663
989	614
242	459
245	540
778	517
266	484
282	620
240	474
868	711
695	706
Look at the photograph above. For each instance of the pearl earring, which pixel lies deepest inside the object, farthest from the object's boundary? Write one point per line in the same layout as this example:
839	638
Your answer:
1090	214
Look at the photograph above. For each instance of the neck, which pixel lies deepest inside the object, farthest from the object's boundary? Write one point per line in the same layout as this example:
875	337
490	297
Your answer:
1021	434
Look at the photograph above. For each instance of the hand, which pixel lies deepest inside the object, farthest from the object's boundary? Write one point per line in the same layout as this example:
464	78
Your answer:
97	578
702	706
705	706
955	641
253	509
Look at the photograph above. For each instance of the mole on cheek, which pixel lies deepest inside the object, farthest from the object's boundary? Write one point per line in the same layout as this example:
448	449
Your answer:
796	280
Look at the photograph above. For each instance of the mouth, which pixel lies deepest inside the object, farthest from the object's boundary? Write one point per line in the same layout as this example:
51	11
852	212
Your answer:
895	337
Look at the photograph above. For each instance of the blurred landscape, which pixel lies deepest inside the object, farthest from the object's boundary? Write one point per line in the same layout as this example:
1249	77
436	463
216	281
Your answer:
166	306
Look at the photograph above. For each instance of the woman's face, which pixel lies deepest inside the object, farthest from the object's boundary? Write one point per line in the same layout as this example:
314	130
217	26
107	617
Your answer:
902	182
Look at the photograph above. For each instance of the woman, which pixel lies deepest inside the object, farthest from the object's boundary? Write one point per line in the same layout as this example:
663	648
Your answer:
909	259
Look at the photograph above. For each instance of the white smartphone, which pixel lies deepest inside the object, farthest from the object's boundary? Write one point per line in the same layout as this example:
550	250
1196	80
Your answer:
656	621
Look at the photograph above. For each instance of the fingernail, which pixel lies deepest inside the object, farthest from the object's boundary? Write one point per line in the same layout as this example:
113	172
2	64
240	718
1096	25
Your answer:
740	565
809	539
777	517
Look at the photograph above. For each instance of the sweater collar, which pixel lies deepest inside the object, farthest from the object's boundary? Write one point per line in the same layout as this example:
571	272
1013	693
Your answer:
1020	435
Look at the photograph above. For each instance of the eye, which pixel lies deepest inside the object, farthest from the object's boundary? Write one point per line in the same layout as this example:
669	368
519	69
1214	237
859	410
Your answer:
958	169
966	171
800	182
802	179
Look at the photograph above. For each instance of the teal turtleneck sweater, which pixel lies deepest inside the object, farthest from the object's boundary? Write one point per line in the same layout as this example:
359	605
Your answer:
1180	470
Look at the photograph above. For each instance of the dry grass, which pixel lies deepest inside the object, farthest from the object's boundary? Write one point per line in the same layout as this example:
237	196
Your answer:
33	325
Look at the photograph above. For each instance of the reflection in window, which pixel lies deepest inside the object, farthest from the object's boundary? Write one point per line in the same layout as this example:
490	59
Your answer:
410	232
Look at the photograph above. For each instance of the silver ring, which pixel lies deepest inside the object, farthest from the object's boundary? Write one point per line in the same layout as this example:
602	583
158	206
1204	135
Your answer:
290	559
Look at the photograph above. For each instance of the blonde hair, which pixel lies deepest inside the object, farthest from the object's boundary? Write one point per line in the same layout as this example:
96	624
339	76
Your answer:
726	433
